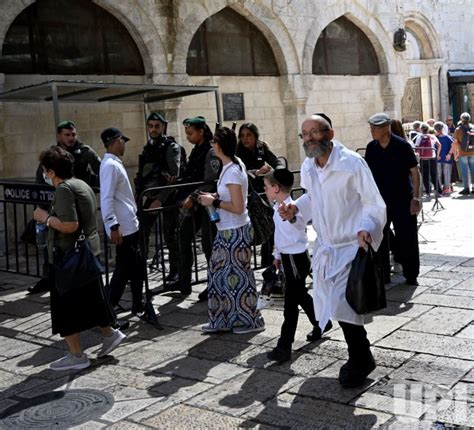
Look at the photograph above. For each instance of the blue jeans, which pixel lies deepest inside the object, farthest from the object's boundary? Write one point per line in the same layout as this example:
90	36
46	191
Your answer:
467	164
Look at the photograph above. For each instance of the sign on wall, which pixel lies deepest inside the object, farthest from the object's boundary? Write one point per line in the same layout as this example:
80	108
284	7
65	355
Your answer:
233	104
26	193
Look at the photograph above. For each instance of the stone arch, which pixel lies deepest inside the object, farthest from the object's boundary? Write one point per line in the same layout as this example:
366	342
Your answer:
263	18
132	18
425	34
371	27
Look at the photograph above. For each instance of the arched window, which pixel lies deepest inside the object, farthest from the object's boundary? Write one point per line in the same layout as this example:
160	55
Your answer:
343	49
227	44
66	37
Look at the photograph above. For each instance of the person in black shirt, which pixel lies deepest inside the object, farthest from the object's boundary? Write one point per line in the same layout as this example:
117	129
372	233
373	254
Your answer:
202	166
258	160
395	169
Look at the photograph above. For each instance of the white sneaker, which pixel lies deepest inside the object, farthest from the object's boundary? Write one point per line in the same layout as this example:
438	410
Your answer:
244	330
70	361
111	342
264	302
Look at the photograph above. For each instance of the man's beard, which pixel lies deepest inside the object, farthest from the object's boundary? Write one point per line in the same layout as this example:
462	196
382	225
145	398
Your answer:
317	148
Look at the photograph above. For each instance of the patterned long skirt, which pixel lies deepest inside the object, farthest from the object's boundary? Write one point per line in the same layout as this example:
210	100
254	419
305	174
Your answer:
232	295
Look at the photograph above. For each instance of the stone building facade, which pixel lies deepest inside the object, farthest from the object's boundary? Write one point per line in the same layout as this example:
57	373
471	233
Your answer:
408	84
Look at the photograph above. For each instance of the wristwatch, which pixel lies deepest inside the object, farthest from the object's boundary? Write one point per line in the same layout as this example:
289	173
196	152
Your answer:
115	227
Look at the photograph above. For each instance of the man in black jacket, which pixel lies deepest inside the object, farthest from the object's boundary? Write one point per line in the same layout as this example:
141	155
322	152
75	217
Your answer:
161	163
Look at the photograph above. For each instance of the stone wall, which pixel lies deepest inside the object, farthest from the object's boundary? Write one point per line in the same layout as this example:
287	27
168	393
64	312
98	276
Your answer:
163	30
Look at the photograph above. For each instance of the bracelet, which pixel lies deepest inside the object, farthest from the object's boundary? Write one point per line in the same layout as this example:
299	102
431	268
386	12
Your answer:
217	203
47	220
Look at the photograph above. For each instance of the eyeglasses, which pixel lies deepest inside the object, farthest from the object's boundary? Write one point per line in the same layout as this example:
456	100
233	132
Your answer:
313	133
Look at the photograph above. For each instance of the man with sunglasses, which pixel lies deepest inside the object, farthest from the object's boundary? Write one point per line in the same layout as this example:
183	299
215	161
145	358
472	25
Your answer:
348	212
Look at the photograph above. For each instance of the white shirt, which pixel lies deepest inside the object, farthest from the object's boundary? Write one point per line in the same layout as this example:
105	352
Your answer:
344	200
231	174
290	238
117	203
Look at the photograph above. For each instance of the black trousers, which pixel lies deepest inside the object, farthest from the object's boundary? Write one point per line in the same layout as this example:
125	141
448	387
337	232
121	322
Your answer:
407	252
296	268
167	221
429	169
187	229
129	266
357	343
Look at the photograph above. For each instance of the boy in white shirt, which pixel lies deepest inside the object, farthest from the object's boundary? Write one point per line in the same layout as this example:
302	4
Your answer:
291	243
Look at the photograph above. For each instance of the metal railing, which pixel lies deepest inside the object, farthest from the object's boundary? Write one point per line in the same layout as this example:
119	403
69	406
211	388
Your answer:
20	198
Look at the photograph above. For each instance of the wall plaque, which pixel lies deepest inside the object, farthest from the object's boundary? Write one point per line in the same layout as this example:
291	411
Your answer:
233	104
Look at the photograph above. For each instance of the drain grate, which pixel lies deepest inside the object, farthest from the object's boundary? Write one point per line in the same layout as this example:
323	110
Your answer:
57	410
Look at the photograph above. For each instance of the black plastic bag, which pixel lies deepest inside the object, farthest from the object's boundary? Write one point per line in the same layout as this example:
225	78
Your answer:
261	217
78	267
365	290
29	233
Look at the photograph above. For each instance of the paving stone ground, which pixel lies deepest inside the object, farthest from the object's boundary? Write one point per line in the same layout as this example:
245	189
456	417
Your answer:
180	378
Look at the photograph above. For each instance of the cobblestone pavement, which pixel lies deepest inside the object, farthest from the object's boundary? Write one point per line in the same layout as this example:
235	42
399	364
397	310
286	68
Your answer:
180	378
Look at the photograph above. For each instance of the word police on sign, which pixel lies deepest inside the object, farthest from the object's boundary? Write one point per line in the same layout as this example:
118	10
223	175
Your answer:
27	193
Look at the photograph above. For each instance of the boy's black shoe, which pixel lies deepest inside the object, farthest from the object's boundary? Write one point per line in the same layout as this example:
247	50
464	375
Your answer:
352	375
172	278
464	191
316	333
279	355
186	290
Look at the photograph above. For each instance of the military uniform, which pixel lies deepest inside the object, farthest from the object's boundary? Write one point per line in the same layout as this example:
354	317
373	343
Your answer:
160	160
203	166
86	164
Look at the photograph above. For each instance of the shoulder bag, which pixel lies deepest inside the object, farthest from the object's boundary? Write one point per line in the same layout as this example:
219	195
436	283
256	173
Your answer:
365	291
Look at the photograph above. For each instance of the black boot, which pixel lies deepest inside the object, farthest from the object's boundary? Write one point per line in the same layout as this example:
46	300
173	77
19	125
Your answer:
40	287
354	373
280	355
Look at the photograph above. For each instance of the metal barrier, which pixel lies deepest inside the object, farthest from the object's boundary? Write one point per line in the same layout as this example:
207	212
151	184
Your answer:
21	197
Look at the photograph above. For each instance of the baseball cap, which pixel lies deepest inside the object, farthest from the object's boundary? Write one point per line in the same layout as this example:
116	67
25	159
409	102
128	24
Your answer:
112	133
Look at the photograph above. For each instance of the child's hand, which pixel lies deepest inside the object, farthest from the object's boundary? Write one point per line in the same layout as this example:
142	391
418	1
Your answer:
277	263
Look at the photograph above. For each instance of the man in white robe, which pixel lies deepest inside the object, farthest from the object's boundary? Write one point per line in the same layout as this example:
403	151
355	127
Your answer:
347	212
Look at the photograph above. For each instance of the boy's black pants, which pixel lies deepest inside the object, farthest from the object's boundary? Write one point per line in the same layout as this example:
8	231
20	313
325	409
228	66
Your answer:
296	268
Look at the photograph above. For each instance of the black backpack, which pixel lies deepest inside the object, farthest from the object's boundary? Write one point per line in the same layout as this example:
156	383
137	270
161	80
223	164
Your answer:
467	144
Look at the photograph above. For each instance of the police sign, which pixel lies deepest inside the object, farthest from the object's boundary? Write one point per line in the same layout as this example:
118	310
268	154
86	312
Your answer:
28	193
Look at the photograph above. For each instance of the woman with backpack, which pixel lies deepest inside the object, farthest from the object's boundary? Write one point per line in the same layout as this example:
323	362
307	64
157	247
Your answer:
428	148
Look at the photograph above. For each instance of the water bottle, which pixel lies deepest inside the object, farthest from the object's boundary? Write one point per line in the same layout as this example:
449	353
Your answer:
41	235
213	214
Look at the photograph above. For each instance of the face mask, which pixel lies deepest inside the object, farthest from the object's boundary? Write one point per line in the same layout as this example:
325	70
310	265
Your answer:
49	181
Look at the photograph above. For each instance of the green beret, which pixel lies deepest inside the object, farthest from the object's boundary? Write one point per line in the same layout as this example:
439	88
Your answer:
194	121
155	116
66	124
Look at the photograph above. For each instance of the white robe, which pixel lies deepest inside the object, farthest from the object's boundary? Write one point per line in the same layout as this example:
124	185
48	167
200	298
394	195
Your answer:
343	199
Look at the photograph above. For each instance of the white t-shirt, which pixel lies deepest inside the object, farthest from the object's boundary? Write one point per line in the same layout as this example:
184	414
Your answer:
232	174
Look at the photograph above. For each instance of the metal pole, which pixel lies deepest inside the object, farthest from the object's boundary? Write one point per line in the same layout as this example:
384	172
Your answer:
54	94
218	106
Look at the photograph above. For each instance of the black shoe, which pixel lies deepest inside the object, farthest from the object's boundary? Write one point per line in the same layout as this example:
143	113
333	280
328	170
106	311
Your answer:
186	290
279	355
138	308
413	282
316	333
202	297
465	191
172	287
121	325
40	287
352	375
172	278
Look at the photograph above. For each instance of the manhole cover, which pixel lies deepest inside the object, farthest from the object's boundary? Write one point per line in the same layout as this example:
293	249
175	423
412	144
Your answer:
57	410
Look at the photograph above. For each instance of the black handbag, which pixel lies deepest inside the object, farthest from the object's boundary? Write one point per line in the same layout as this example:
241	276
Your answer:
261	217
29	233
78	267
365	290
